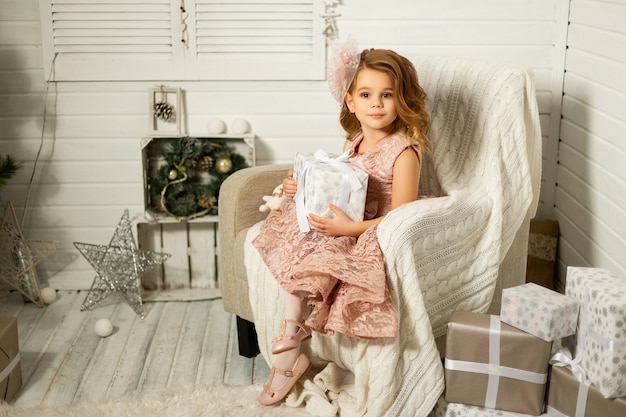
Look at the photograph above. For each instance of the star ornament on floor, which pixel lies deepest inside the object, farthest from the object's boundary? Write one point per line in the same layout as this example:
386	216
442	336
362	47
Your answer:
18	257
119	267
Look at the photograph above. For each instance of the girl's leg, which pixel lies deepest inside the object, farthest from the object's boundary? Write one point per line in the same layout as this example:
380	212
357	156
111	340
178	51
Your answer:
294	310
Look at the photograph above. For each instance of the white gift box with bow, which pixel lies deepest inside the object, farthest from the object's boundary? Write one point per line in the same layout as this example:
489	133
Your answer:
324	180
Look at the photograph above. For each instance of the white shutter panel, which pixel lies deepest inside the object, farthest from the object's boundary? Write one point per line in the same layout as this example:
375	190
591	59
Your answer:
109	39
259	40
140	40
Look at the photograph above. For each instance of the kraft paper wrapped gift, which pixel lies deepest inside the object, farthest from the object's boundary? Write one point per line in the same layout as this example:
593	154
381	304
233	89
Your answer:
10	369
493	365
539	311
568	397
601	335
323	180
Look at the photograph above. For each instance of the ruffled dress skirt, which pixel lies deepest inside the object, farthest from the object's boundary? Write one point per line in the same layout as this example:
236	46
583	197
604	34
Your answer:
343	278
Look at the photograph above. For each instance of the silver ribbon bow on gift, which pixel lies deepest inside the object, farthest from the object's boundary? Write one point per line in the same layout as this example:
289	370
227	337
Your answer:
350	184
563	357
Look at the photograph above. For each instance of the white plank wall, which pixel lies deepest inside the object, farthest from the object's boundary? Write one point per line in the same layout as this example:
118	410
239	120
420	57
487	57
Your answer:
590	198
89	168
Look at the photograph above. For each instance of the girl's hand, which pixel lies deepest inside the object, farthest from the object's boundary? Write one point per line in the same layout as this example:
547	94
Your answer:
289	185
339	225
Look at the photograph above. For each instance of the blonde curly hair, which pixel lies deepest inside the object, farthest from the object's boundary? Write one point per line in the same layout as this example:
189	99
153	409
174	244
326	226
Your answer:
413	116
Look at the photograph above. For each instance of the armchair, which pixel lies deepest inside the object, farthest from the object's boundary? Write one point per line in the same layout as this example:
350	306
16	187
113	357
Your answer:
455	250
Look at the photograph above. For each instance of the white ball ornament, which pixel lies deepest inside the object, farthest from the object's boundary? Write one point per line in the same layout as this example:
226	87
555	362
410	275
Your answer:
216	126
103	328
48	295
240	126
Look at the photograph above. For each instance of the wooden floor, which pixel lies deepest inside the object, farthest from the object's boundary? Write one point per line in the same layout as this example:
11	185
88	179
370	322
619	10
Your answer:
180	345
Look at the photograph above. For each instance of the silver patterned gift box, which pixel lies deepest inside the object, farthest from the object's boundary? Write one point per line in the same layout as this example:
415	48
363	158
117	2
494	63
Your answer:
601	335
323	180
539	311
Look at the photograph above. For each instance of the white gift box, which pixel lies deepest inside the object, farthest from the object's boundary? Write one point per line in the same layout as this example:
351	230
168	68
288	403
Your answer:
601	334
539	311
323	180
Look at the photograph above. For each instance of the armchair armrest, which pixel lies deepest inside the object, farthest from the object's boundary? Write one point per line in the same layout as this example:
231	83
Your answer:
240	196
242	193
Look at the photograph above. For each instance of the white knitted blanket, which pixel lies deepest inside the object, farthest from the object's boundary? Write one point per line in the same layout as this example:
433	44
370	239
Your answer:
442	254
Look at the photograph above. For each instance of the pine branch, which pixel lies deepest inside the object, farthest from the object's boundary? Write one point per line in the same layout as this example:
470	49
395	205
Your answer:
8	168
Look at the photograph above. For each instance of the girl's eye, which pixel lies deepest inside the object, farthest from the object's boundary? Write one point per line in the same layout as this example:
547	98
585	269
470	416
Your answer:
365	95
387	95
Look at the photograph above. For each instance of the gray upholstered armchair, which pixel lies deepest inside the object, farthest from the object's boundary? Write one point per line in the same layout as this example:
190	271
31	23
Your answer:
486	158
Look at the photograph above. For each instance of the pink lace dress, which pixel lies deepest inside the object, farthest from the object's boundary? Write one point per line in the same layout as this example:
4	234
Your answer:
343	278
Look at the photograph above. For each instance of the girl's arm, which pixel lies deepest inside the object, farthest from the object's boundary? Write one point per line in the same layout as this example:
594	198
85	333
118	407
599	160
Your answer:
403	190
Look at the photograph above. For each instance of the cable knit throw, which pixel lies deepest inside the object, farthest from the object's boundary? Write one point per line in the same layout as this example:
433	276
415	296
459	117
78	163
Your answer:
442	253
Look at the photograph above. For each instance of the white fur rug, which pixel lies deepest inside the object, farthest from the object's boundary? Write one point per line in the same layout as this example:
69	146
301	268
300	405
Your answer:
216	401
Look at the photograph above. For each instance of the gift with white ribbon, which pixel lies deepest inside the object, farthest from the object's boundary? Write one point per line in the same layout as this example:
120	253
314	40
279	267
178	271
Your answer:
601	334
324	180
571	394
493	365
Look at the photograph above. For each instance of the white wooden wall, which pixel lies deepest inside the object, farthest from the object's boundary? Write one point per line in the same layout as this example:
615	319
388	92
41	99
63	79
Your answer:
89	169
590	198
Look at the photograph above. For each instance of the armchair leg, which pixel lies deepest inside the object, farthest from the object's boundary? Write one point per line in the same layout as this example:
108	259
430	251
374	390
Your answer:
248	341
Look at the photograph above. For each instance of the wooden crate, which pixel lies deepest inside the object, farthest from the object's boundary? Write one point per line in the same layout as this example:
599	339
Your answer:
191	271
152	149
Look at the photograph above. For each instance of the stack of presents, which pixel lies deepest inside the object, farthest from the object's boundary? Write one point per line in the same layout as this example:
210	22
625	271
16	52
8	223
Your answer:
546	354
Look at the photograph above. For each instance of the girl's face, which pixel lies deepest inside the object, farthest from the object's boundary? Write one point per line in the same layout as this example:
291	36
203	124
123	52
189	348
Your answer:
372	100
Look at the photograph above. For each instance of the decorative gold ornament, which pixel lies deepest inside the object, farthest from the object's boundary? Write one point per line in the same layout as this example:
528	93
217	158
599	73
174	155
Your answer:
223	165
172	175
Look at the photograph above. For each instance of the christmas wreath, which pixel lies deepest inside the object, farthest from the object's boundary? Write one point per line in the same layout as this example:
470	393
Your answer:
187	184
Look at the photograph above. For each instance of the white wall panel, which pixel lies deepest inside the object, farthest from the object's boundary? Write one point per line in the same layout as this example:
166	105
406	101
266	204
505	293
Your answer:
591	175
89	169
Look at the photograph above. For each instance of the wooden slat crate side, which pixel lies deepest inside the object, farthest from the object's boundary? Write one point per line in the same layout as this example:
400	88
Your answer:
192	264
202	255
176	268
149	238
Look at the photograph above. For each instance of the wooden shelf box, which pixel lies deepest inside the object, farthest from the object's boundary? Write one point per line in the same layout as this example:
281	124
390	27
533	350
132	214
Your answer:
191	271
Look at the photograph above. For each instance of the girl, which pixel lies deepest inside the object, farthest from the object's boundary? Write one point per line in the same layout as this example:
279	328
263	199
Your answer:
337	269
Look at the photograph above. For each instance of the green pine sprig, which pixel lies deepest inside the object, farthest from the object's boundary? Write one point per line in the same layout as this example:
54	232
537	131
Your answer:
8	168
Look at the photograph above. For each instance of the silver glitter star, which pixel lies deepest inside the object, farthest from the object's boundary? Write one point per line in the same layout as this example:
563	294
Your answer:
119	267
19	256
